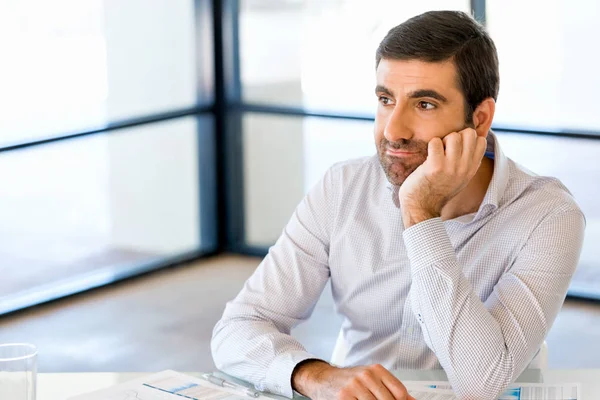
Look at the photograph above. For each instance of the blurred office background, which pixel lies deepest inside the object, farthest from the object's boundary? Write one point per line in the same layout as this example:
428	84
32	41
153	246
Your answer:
152	150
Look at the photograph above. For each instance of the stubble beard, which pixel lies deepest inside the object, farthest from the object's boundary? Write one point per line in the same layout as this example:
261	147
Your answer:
397	169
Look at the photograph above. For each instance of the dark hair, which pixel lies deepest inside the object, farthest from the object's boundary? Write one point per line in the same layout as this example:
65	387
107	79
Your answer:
437	36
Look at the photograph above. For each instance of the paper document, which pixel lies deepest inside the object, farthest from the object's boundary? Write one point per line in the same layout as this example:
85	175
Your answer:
168	385
520	391
171	385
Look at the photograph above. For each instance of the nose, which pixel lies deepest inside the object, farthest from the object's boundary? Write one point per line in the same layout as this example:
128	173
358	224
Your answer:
398	126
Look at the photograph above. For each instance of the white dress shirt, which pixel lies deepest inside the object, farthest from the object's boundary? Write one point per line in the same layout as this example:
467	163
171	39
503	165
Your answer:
475	295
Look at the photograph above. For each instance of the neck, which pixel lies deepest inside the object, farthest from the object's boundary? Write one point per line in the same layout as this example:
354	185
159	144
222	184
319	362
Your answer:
470	198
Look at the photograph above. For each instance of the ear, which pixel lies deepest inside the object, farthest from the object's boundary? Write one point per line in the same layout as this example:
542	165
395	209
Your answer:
483	116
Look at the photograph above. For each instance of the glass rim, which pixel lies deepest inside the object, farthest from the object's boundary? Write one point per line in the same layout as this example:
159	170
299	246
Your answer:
25	357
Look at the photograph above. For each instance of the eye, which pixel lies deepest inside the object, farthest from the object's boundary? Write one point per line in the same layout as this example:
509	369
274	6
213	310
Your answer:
425	105
384	100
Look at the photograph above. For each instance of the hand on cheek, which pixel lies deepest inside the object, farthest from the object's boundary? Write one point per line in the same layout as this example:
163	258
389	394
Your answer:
451	164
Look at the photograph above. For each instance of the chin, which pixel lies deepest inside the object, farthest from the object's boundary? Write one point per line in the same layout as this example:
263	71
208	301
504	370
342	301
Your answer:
397	172
396	181
397	176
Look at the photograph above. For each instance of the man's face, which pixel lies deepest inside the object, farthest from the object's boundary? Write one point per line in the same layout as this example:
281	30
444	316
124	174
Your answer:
417	101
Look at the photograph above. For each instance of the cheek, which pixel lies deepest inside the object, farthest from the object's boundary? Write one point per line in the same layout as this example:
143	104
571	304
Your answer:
426	133
439	123
378	128
426	130
451	121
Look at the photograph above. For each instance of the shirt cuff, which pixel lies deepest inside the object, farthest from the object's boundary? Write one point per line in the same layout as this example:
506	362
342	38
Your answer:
279	374
427	243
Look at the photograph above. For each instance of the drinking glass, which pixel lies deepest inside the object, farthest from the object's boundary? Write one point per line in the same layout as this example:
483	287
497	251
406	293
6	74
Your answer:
18	371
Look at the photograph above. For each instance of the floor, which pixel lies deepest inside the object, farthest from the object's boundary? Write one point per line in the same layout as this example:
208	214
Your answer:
41	271
164	320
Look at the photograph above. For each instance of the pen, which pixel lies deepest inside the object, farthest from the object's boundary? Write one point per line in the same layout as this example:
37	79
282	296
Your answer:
226	384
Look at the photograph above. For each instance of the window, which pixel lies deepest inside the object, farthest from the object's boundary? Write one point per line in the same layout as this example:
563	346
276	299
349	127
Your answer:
84	210
548	68
319	54
137	191
284	157
71	65
569	160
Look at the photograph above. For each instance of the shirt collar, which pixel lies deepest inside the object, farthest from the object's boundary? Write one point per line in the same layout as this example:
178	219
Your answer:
497	186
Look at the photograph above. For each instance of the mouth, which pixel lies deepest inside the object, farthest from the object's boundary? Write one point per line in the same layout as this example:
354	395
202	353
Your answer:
400	153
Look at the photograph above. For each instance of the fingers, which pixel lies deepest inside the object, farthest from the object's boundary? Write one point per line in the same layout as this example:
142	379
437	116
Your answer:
357	390
453	144
396	387
480	147
373	382
393	384
473	150
435	149
469	142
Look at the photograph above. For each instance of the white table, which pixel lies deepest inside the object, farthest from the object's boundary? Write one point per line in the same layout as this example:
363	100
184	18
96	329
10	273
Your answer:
60	386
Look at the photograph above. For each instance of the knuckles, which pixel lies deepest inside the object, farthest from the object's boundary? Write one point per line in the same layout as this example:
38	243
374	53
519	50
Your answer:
470	132
344	393
377	368
354	382
437	170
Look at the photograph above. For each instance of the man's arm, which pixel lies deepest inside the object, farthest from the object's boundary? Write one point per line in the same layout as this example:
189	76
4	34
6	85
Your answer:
483	347
252	340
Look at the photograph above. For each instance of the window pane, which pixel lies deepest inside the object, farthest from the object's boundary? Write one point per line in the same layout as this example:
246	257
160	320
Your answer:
78	64
319	54
548	68
569	160
284	157
99	204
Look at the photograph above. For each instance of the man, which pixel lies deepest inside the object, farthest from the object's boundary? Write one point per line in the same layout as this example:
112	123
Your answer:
441	251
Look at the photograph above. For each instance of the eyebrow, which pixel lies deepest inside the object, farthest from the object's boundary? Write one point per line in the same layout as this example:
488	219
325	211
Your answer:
383	89
415	94
427	93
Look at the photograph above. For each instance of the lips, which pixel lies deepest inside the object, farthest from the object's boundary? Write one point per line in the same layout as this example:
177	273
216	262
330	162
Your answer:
400	153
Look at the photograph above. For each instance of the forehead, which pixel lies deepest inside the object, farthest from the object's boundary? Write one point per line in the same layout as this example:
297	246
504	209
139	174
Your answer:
408	75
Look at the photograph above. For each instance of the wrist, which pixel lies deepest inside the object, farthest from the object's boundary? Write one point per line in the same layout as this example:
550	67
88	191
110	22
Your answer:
307	375
414	215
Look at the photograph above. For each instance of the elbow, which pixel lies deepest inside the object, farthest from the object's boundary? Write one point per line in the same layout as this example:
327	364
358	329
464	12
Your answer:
217	356
481	385
222	364
218	351
227	346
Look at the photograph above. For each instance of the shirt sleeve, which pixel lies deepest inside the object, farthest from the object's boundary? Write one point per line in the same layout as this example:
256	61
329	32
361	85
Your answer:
484	346
252	340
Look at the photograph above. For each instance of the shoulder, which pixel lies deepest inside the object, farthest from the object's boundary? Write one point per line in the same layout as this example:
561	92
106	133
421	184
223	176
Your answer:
349	171
541	195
